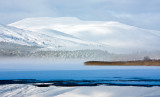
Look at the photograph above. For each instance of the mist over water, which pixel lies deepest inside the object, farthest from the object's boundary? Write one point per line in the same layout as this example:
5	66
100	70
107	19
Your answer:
36	64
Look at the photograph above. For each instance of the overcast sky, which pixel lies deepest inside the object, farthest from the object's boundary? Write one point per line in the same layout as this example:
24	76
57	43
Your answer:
140	13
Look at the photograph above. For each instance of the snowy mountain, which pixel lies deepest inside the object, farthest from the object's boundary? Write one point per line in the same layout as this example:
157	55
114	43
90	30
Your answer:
15	35
45	38
68	33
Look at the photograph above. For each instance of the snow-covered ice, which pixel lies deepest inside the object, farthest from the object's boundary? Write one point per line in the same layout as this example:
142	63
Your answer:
22	90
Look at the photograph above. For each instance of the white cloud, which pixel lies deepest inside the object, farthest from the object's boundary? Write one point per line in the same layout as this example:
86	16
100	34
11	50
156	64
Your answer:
125	11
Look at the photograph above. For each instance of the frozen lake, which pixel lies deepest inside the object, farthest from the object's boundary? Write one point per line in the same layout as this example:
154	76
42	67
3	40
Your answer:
76	72
118	77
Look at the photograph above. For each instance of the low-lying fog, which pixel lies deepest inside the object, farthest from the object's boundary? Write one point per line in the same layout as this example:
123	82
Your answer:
28	64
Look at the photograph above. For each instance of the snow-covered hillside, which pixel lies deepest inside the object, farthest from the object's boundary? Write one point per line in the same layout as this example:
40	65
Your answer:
68	33
19	36
46	38
114	36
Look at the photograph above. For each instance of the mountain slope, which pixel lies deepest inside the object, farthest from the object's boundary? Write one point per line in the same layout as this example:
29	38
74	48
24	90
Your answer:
116	37
46	38
19	36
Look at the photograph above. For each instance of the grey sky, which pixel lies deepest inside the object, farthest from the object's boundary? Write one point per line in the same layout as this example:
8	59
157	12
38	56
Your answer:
140	13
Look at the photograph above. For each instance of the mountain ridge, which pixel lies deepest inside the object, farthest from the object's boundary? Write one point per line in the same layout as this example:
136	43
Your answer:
70	33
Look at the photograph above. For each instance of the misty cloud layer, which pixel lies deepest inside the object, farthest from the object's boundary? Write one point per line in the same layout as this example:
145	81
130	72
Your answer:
140	13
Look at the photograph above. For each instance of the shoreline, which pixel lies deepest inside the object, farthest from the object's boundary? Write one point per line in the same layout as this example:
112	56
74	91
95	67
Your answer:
124	63
76	83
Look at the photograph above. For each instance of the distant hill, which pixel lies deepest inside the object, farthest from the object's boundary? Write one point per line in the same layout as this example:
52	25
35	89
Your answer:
73	33
69	34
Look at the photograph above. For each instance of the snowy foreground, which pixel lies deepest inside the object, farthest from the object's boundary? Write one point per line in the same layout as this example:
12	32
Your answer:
23	90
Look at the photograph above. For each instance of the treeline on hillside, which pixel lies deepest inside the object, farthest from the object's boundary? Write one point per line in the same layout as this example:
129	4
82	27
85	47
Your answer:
12	49
16	50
